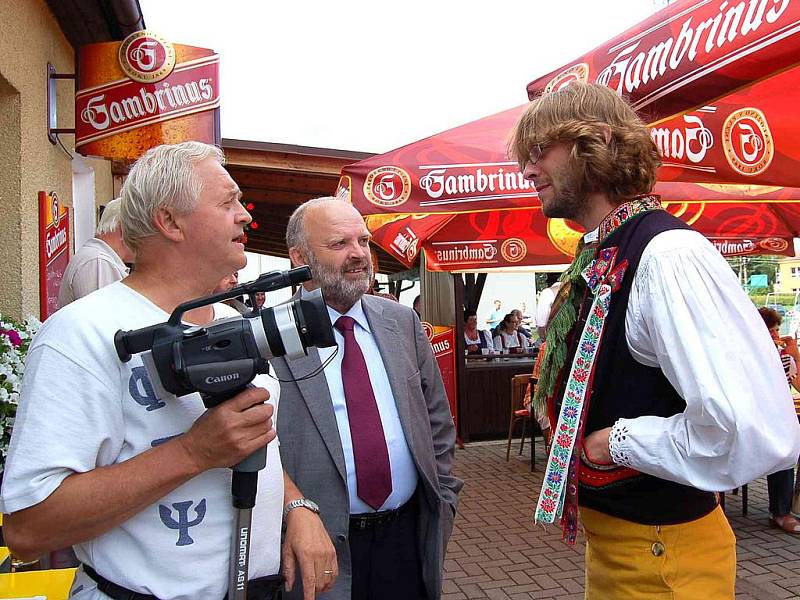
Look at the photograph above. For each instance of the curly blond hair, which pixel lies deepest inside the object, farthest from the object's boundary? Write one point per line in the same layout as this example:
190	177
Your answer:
612	149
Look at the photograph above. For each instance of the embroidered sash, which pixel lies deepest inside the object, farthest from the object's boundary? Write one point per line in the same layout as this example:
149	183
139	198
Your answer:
602	278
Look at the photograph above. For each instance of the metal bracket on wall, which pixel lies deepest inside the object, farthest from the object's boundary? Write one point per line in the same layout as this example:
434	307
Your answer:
52	105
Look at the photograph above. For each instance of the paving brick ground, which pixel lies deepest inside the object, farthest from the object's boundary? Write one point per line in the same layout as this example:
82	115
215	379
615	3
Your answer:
496	551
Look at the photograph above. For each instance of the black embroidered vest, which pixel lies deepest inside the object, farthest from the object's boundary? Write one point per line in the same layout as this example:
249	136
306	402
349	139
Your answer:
624	388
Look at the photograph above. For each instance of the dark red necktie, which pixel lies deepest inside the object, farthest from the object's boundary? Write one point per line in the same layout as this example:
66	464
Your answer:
373	473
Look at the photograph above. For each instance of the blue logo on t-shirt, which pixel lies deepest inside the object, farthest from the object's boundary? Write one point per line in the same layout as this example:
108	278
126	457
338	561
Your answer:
183	523
144	394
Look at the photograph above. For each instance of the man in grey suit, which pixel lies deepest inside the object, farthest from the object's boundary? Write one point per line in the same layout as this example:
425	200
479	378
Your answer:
370	442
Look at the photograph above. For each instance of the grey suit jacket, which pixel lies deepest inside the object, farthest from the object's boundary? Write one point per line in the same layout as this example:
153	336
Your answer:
311	450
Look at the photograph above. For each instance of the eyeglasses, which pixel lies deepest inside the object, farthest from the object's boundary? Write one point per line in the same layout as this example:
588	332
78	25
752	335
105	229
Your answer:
536	153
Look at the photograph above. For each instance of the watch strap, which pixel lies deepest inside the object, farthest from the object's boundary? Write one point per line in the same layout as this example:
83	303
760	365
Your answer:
300	503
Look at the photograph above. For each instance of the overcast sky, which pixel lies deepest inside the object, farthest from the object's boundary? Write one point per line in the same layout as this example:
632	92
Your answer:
373	76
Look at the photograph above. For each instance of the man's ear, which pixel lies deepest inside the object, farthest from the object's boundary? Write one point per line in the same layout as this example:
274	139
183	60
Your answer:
297	257
166	224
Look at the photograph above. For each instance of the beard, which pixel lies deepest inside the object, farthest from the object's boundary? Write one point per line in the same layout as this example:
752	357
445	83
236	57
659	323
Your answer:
569	195
334	284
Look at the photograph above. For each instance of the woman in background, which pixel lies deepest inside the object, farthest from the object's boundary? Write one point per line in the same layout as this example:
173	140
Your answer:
780	485
474	338
508	338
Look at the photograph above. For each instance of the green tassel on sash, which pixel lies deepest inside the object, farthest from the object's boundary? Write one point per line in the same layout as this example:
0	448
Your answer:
566	306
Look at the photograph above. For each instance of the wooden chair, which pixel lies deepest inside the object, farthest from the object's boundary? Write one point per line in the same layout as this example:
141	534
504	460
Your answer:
519	385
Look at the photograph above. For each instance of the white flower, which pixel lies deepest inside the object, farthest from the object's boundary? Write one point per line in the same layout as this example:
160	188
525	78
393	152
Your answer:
12	366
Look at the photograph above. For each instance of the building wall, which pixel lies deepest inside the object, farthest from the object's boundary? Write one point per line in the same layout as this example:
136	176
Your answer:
103	180
788	280
29	163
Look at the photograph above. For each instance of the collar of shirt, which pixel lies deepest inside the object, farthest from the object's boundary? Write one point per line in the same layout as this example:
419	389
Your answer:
102	246
591	236
356	312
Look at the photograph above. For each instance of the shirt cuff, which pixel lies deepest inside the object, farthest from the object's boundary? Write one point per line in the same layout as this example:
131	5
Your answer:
618	444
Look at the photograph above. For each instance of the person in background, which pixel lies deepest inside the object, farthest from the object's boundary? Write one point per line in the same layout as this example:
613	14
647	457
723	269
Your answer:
545	303
508	338
649	364
228	283
543	306
496	316
526	318
416	306
520	327
370	441
261	298
374	288
100	261
780	485
474	338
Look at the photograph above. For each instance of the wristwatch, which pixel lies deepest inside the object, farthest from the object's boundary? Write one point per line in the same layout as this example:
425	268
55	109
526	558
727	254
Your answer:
300	503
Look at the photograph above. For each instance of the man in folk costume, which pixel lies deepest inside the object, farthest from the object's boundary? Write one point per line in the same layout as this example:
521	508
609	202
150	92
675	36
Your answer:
649	369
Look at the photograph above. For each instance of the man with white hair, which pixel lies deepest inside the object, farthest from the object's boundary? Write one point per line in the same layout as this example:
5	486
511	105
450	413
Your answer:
135	479
100	261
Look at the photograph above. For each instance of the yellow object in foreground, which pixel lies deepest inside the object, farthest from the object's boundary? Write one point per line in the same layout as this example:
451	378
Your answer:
53	584
644	562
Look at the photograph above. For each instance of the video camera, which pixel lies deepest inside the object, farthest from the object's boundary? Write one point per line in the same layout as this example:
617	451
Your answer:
220	360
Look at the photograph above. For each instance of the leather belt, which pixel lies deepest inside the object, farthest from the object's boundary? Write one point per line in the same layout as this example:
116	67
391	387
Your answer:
376	519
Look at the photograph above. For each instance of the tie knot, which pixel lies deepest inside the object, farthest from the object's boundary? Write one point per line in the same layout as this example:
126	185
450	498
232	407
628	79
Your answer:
345	323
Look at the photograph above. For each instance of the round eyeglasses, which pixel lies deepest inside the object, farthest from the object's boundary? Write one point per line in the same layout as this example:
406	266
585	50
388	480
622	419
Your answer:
536	153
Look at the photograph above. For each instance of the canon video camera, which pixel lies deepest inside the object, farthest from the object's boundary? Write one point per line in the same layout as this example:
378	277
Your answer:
221	358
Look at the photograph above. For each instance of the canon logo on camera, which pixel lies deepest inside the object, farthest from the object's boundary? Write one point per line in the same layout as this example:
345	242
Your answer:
222	378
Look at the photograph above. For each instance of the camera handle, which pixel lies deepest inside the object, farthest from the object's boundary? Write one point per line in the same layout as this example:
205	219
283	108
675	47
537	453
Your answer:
244	487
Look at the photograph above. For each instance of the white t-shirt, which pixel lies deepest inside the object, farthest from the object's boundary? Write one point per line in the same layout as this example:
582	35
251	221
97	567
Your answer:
81	408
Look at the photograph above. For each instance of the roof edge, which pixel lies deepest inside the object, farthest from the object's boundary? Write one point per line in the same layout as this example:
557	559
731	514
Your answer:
353	155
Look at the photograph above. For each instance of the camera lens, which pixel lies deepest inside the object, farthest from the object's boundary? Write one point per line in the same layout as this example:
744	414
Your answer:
289	328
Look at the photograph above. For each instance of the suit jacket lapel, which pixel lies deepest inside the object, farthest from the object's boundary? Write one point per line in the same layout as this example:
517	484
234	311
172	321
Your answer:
318	399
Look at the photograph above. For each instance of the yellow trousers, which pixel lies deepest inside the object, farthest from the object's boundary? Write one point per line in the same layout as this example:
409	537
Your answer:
629	561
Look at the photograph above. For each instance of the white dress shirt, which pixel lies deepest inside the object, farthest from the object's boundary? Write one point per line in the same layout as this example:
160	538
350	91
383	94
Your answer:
94	266
404	472
545	303
688	315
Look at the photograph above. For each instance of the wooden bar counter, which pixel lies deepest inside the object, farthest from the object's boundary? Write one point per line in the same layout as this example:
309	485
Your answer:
485	397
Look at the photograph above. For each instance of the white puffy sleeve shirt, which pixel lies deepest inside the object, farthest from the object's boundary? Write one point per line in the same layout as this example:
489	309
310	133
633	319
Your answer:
688	315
